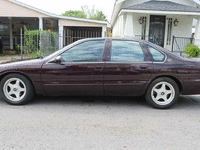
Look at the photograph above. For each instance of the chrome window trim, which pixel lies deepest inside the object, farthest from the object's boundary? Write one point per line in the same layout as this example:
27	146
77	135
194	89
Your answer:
81	62
129	62
162	61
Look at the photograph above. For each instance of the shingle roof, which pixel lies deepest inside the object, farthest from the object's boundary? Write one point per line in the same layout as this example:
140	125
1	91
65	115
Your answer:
163	6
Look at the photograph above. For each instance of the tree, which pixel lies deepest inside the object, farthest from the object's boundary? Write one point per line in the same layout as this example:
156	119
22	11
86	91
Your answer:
75	13
93	13
86	13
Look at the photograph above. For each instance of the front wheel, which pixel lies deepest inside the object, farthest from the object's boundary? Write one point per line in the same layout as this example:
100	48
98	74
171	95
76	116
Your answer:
162	93
16	89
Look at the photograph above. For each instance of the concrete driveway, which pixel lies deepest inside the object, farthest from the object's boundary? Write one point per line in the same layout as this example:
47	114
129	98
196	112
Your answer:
99	123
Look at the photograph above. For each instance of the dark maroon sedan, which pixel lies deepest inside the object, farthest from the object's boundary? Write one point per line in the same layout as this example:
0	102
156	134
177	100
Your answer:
103	67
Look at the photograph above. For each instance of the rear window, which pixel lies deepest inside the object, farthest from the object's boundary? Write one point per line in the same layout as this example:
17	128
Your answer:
157	56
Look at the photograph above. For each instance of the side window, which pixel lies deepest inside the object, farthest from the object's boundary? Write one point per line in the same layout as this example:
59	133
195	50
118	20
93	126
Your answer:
126	51
85	52
157	56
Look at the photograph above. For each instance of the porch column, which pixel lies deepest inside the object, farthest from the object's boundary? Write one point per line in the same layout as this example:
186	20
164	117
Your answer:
60	34
103	31
40	23
11	34
128	31
64	37
197	34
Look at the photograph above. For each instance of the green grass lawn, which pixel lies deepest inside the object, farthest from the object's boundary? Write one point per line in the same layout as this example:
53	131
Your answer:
2	55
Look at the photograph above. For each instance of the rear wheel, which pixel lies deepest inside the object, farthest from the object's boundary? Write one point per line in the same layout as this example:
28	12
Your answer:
162	93
16	89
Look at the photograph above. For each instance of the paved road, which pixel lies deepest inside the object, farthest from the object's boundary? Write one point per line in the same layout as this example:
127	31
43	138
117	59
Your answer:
105	123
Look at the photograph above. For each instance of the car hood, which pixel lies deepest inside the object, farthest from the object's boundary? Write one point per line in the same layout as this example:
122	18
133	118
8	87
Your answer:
21	64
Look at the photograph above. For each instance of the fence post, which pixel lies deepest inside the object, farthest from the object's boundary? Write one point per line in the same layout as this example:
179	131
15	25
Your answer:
40	43
173	43
21	43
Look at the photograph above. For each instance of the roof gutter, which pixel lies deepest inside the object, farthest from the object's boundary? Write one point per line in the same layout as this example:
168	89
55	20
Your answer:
159	12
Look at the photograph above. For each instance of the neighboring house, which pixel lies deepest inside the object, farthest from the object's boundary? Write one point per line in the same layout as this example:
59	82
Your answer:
14	15
160	21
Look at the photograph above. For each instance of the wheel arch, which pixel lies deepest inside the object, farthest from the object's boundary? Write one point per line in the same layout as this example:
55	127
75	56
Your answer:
7	73
167	76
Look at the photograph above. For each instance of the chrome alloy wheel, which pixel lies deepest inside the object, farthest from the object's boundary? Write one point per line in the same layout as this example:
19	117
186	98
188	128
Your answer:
14	89
163	93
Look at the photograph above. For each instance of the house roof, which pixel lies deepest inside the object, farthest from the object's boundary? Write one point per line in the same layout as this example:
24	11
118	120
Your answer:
118	6
58	16
163	6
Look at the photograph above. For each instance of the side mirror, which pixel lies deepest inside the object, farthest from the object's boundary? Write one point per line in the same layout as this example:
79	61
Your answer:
56	60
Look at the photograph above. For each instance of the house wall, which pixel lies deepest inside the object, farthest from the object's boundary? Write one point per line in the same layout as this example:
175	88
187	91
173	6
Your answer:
135	2
118	28
64	22
9	9
184	28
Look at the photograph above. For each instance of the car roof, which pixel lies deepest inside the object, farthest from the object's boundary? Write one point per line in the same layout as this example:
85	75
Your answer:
99	38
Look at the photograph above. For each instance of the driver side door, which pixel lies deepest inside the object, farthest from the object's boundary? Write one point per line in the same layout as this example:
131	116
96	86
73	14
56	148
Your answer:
79	73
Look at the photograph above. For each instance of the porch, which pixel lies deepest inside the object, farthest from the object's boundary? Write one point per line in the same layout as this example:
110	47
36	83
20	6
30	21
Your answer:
156	28
10	28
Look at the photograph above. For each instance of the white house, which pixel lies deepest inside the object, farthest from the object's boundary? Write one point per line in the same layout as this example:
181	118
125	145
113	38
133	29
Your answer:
14	15
157	21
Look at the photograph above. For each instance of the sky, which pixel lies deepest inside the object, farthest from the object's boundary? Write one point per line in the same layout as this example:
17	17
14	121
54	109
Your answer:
60	6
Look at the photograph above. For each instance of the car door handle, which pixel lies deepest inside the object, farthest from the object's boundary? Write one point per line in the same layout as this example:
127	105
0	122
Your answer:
143	67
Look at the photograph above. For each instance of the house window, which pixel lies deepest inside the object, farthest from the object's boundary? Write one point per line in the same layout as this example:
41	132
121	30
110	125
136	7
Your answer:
4	29
5	33
144	28
169	31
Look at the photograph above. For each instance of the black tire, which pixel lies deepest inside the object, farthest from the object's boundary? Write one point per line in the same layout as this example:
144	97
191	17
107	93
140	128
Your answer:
20	86
162	93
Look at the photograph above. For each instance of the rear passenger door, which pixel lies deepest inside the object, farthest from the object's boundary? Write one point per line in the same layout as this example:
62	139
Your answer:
128	69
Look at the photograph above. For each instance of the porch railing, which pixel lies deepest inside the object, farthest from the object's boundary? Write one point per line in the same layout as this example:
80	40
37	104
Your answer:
141	37
179	44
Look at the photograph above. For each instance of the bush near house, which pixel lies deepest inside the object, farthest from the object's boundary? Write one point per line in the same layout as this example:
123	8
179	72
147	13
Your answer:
192	50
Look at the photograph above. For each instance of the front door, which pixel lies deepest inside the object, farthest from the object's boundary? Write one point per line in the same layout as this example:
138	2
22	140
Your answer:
157	30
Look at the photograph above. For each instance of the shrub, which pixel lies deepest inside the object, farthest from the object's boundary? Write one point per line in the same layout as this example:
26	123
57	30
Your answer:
192	50
39	43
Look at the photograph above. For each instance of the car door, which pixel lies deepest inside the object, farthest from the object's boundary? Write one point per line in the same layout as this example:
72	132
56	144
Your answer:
128	69
79	73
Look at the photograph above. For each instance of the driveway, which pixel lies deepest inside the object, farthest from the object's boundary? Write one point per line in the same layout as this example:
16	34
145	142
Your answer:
99	123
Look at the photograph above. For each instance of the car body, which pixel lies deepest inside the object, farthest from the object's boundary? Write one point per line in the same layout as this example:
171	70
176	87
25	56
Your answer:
109	68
